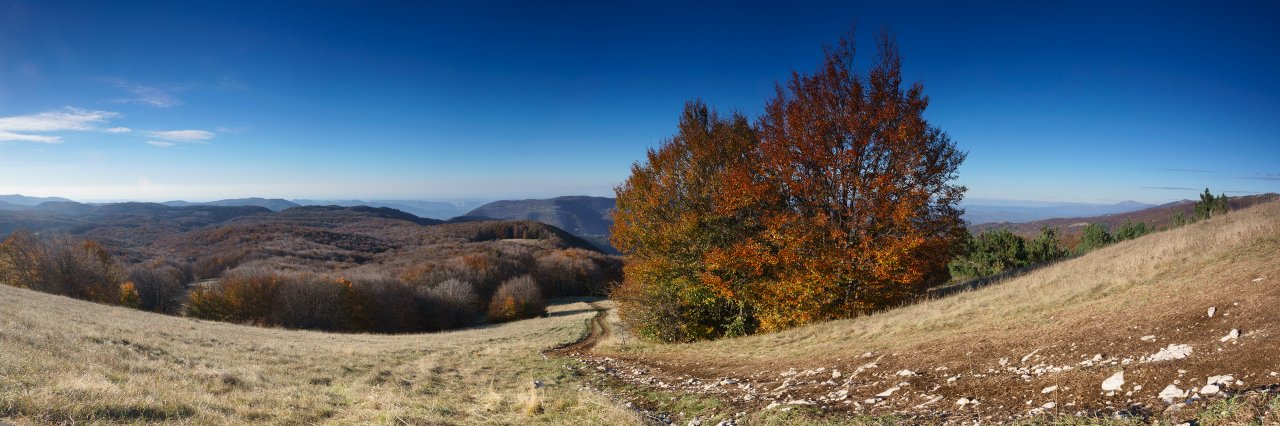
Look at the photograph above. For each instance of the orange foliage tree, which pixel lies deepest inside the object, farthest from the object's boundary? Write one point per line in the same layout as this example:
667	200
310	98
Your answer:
842	202
675	208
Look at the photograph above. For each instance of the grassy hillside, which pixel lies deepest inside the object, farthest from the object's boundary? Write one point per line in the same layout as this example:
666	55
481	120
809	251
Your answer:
1040	344
68	361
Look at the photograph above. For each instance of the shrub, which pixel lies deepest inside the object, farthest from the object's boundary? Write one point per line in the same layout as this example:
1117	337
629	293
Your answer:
450	304
158	290
383	304
1046	248
1130	230
680	310
241	295
310	302
990	253
129	295
518	298
81	269
1094	236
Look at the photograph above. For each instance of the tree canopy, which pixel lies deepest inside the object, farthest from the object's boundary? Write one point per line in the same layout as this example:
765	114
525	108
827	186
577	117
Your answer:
838	201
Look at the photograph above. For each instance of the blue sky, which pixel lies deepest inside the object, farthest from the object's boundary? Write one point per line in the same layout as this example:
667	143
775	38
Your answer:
1070	101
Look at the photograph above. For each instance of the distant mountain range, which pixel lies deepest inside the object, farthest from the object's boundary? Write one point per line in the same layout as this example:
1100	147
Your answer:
443	210
17	201
304	237
273	204
1021	212
587	217
1156	216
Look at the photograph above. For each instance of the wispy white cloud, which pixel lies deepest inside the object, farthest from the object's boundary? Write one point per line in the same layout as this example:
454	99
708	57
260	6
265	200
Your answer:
117	130
10	136
188	136
1263	176
160	144
28	128
156	96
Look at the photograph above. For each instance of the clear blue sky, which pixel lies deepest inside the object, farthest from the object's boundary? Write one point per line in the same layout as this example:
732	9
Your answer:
1067	101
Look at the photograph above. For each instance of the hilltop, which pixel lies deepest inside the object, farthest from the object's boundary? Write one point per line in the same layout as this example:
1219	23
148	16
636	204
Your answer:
586	217
1163	326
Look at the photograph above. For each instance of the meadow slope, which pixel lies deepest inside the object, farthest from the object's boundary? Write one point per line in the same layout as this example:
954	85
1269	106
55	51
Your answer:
1037	347
68	361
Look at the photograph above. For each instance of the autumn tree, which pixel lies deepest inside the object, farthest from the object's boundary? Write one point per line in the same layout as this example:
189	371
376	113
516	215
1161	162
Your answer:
866	210
676	208
838	202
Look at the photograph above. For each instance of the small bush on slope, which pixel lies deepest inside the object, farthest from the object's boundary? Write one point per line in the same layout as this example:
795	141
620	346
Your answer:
518	298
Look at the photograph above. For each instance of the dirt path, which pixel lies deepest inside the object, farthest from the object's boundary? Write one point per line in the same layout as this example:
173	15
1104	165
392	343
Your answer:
599	330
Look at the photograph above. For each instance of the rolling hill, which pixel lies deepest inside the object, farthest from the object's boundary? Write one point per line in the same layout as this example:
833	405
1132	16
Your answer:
586	217
67	361
318	238
1178	325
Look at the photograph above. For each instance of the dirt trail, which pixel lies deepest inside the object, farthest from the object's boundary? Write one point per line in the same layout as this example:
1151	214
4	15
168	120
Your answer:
599	331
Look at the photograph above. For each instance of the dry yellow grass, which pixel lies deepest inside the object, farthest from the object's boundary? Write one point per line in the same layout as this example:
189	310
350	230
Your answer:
68	361
1186	262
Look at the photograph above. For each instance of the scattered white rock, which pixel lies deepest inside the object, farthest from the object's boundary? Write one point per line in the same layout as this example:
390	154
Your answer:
1274	374
906	373
1028	356
1259	279
930	401
1149	338
888	392
835	374
1004	361
801	402
1233	335
1049	405
1049	389
1114	382
1172	393
1209	389
1169	353
1212	310
962	402
772	405
1225	379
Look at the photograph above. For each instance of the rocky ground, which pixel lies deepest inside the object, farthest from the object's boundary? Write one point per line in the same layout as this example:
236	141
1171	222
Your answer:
1149	370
